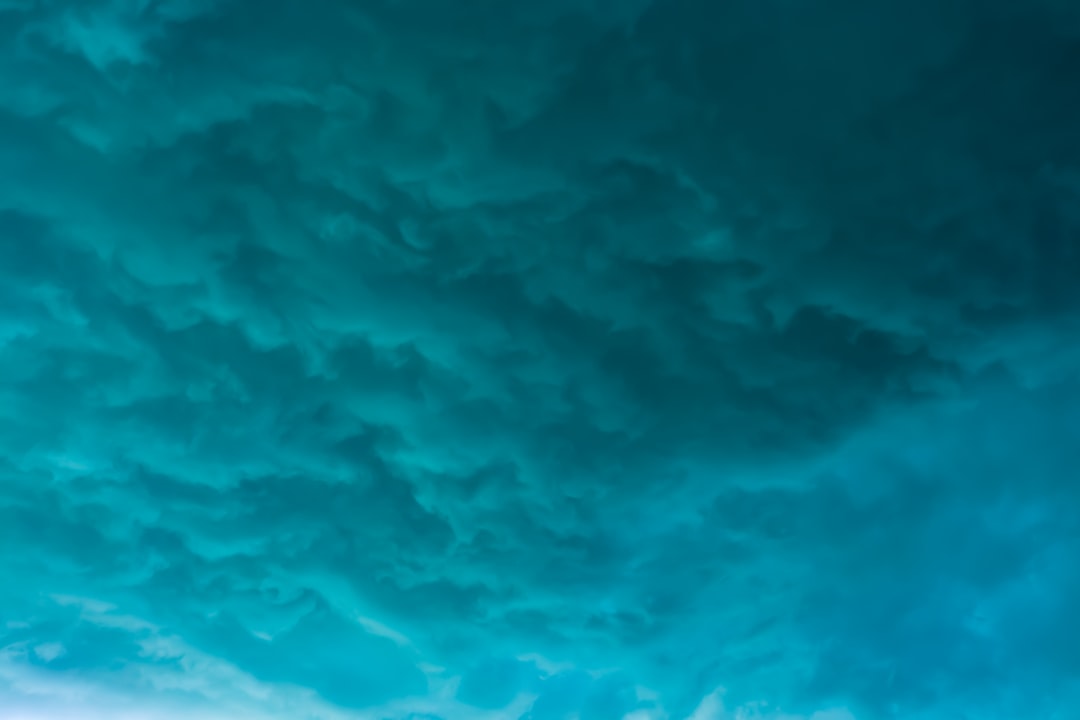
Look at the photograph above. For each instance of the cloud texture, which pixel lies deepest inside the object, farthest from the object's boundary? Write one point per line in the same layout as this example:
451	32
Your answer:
539	360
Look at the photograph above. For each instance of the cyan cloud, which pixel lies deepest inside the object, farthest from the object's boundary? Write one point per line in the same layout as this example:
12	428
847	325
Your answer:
568	359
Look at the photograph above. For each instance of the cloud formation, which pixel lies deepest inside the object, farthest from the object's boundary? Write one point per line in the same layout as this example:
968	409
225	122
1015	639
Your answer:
650	359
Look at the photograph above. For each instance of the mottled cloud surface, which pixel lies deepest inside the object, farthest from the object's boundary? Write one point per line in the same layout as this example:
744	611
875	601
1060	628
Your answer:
500	360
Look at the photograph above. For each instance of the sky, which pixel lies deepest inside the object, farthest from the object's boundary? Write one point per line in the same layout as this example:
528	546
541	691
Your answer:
539	359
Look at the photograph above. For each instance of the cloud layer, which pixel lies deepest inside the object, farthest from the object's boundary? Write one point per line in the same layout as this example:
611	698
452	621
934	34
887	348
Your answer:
583	359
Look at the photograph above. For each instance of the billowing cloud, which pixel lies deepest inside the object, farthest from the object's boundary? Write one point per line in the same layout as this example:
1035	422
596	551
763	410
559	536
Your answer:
649	359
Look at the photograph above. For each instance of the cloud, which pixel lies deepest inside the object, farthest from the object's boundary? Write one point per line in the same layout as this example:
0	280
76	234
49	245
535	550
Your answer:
554	359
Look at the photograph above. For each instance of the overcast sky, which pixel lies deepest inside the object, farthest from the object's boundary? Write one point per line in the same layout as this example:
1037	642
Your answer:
539	359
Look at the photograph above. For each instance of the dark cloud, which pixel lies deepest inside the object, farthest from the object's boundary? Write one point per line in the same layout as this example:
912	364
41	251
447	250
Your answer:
547	359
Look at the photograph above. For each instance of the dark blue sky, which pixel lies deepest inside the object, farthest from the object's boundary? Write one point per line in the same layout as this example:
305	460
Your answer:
503	360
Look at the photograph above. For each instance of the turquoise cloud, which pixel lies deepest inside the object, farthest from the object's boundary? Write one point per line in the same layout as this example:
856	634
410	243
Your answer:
638	360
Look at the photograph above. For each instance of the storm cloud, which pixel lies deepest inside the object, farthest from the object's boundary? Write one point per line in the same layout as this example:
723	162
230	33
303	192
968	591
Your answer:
644	359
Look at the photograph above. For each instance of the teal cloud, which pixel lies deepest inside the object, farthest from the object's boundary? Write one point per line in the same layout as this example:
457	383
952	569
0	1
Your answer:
539	360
